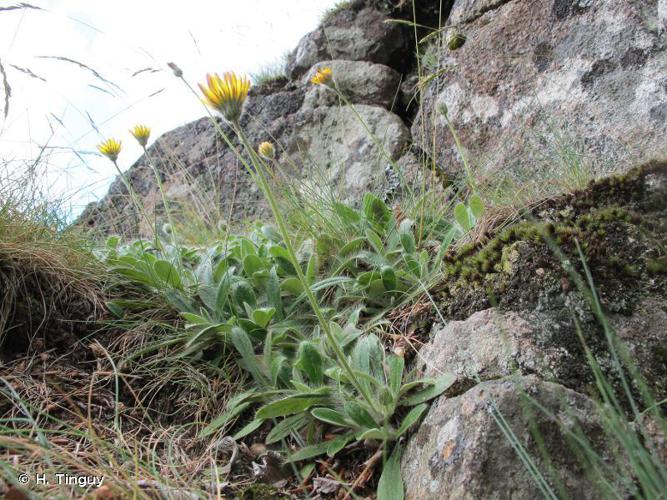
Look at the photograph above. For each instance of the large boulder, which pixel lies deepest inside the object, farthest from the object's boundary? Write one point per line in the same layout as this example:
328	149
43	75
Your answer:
361	82
543	82
346	149
356	34
461	452
494	343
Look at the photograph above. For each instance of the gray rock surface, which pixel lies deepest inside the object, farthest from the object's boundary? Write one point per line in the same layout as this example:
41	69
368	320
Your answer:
334	146
361	82
537	81
460	452
493	343
356	35
489	344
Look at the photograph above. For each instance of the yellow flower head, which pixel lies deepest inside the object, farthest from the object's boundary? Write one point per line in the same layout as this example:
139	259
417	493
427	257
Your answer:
226	94
141	133
322	76
110	148
266	150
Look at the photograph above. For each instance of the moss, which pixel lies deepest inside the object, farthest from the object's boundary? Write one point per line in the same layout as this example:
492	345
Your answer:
260	491
657	266
613	222
456	41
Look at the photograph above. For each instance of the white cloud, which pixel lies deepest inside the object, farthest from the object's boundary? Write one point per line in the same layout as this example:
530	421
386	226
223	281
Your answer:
118	39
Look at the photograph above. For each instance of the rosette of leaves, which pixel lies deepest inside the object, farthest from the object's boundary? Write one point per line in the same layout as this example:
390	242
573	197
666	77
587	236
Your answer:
384	258
309	396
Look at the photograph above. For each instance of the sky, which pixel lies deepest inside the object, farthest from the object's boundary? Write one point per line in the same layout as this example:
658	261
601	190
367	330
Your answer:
65	110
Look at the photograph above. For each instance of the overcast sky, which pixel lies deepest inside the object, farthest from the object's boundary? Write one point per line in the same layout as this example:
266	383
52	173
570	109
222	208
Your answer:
117	40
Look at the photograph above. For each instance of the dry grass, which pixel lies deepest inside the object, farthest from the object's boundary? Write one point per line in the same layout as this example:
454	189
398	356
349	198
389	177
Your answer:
71	400
50	280
89	411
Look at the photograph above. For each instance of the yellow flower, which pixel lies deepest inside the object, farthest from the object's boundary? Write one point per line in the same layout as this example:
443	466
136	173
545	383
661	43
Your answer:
226	94
266	150
322	76
110	148
141	133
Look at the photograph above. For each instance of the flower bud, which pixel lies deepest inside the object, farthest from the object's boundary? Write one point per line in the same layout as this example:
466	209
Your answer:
266	150
178	72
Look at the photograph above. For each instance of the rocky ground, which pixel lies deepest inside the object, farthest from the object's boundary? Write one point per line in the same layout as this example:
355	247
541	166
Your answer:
516	310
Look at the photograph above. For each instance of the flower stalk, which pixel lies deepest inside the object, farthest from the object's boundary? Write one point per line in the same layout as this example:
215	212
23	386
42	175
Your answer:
141	133
282	227
111	148
217	96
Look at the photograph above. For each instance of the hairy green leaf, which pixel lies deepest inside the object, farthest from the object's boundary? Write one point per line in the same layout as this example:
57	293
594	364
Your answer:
309	451
249	428
375	241
461	215
411	419
167	272
476	206
389	278
273	293
374	433
330	416
243	293
242	343
390	485
283	428
252	264
262	316
376	211
347	214
337	444
437	387
288	406
309	360
408	242
396	366
359	415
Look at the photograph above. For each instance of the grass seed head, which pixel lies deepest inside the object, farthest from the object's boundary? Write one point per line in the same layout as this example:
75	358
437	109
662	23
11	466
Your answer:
178	72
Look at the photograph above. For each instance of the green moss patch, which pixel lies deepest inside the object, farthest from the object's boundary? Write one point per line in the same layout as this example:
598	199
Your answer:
617	223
